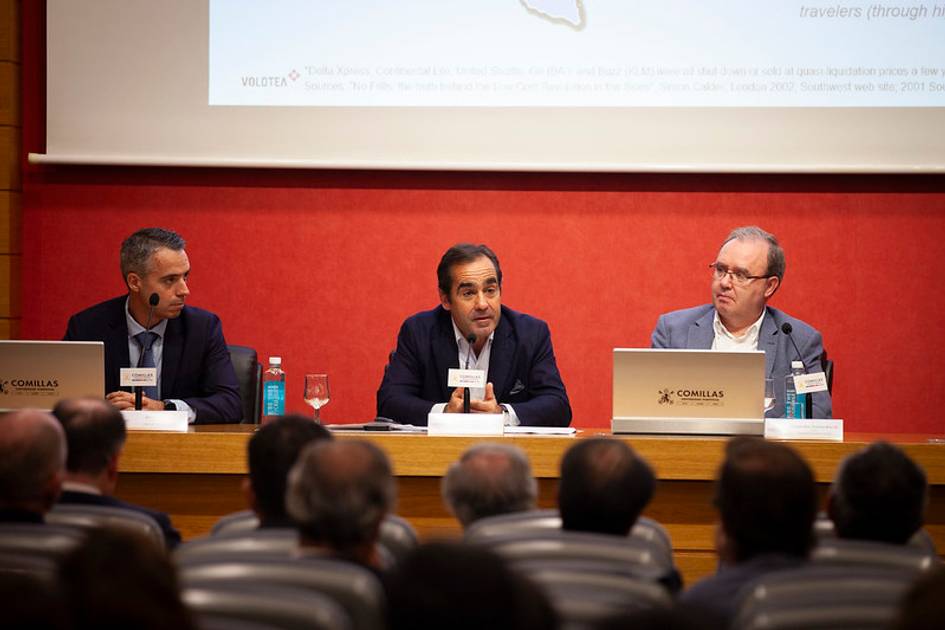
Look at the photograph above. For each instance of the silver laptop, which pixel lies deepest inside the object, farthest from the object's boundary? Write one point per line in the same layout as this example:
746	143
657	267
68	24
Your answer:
688	391
38	374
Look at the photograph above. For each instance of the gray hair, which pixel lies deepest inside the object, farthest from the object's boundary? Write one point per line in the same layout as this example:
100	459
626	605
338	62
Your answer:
137	249
339	491
32	454
776	262
488	480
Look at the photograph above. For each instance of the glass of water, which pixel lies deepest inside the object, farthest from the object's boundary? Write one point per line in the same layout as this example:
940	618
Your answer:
316	392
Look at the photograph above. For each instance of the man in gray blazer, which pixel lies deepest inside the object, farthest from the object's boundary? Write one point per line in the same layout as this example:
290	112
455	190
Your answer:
746	273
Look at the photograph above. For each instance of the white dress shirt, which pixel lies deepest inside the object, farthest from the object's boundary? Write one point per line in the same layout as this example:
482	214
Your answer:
724	340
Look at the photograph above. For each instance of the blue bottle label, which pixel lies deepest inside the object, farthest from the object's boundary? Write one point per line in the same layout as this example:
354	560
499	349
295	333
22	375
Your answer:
274	397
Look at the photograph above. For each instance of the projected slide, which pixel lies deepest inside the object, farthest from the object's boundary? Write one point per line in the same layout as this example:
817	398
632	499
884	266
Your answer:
586	53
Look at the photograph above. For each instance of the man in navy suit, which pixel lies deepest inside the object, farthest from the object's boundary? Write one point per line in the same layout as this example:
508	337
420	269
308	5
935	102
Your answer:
95	435
746	273
184	343
513	349
32	465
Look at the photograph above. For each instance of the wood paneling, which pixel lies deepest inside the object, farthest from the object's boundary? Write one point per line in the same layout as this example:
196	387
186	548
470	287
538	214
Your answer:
9	93
9	30
196	477
10	281
10	230
9	158
9	328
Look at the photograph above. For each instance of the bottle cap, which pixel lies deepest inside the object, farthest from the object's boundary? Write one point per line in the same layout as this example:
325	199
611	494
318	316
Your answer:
797	365
275	360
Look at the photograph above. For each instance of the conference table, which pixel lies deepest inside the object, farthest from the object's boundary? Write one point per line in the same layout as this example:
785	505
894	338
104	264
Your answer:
197	477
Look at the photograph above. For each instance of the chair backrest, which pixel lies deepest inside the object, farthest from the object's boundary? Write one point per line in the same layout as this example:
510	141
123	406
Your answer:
862	553
822	597
249	376
397	536
352	587
824	532
548	522
827	366
242	521
280	607
38	540
583	598
94	516
272	542
597	553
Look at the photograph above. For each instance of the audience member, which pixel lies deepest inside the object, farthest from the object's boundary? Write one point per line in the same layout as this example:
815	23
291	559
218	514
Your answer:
118	579
31	603
879	495
271	453
95	434
923	605
32	464
488	480
338	495
604	487
767	501
449	585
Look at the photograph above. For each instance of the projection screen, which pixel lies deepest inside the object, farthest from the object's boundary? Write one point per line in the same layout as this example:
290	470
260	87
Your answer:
530	85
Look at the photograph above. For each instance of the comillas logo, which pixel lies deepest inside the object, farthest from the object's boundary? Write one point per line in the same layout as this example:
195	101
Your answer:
22	383
712	397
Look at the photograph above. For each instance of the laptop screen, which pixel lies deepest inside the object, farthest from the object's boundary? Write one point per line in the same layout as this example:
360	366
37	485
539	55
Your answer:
38	374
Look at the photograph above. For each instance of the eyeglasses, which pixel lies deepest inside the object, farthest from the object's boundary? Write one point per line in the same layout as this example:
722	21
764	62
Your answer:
739	277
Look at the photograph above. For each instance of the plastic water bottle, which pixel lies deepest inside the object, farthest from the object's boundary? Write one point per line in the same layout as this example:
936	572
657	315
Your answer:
273	390
795	405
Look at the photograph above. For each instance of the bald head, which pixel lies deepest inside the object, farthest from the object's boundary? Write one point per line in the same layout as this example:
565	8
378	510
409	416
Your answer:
339	492
32	460
488	480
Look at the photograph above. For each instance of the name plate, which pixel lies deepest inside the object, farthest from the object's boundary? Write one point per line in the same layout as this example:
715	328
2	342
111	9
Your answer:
155	420
810	383
465	424
791	429
138	377
466	378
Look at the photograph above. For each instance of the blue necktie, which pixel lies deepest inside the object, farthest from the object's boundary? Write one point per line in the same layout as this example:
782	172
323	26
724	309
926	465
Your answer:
145	341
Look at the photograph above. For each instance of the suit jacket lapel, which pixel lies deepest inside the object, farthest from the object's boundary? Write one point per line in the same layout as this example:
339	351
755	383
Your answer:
117	338
500	357
172	353
445	351
768	340
701	332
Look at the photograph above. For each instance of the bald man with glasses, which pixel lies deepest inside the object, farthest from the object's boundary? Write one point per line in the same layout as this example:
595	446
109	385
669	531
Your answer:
746	273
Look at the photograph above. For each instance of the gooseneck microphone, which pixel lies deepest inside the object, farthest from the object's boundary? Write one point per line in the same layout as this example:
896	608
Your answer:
470	339
787	329
153	301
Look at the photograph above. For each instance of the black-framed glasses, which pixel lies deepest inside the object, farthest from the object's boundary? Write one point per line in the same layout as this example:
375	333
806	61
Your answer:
739	276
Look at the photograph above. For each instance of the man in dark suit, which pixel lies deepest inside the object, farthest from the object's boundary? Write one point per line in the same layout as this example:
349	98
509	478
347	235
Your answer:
95	434
184	343
746	273
32	465
513	349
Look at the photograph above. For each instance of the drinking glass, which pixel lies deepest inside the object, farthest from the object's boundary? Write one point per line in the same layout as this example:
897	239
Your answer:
316	392
769	394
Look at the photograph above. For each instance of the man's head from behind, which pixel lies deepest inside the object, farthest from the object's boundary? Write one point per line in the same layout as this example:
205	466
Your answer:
766	498
95	433
339	493
272	452
153	260
32	460
879	494
488	480
604	487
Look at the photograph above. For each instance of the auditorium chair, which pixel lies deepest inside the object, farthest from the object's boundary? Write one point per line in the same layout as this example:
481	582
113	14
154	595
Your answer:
356	589
272	542
541	522
822	597
398	536
91	516
865	553
35	548
582	599
249	376
285	608
824	532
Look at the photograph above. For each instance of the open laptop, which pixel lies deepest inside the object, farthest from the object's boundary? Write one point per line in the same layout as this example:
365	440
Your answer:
688	391
38	374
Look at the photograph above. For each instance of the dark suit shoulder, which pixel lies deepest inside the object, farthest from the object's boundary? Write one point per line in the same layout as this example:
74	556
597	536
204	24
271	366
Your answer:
90	320
688	315
800	327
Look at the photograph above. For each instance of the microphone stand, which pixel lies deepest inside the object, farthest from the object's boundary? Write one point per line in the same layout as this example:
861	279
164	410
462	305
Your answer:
471	339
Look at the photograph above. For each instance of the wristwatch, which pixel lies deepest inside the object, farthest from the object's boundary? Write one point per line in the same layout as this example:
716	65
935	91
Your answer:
169	405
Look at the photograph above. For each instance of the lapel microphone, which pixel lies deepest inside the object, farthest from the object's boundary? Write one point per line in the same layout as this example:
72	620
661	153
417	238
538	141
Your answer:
470	339
153	301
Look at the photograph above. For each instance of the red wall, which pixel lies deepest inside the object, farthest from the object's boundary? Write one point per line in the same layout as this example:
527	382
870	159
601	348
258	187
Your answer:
322	267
